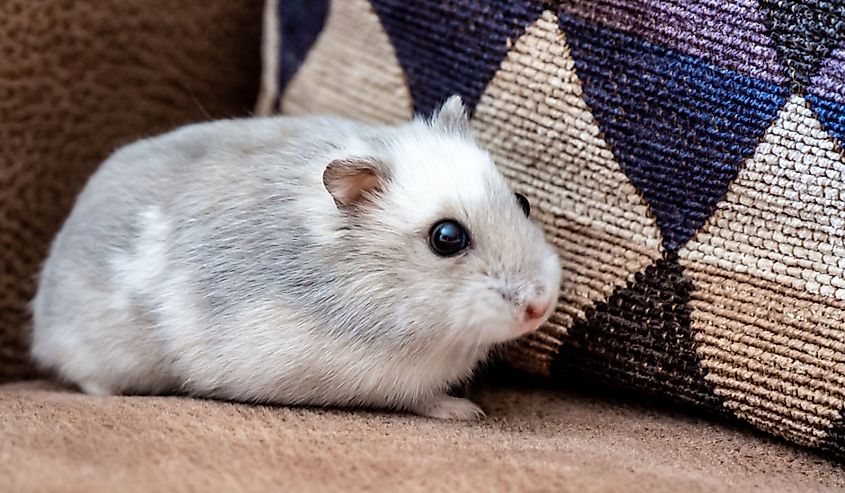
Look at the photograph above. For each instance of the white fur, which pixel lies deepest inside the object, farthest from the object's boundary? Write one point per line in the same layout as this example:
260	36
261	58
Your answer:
213	261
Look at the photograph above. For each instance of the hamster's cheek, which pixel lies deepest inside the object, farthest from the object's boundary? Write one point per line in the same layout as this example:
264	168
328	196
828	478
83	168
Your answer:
504	326
506	321
481	315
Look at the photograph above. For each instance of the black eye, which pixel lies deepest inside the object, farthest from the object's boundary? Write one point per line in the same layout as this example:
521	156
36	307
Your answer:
448	238
523	202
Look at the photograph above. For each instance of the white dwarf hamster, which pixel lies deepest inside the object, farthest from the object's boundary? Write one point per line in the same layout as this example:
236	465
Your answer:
294	260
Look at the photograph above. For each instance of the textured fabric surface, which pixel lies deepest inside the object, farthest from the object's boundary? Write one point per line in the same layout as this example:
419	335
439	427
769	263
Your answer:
532	440
684	155
78	79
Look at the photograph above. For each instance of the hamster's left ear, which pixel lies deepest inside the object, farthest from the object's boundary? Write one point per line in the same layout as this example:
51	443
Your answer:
452	116
353	182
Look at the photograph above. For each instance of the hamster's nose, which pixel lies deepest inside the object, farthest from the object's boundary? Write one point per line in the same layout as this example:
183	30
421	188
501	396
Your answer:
536	309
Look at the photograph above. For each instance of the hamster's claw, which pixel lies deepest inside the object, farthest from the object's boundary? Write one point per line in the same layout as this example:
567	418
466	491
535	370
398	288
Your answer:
448	407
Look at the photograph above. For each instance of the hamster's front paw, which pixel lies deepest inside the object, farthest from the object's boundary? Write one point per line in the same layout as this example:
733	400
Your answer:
447	407
92	387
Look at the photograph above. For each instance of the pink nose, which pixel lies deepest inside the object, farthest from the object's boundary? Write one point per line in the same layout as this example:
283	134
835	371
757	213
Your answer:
535	310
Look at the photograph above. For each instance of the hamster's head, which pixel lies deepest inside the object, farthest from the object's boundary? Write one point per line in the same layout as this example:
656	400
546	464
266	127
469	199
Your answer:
457	247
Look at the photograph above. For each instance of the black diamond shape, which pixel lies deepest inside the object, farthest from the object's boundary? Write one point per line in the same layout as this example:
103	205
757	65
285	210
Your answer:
641	338
835	440
804	32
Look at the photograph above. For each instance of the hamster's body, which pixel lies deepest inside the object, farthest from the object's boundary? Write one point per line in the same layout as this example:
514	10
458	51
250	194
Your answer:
214	261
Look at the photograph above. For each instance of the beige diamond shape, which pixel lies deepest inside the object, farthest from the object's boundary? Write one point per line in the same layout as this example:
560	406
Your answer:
769	305
351	71
533	119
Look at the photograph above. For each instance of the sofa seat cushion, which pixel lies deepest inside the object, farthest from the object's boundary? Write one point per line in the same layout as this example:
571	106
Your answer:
533	439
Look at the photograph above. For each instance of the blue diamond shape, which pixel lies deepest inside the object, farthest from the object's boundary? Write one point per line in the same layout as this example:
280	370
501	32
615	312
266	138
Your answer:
452	47
300	23
679	127
831	115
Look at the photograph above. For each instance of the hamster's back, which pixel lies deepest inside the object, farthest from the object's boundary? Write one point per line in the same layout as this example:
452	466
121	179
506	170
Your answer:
155	211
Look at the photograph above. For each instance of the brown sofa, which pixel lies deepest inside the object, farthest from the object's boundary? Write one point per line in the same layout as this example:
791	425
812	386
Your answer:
77	79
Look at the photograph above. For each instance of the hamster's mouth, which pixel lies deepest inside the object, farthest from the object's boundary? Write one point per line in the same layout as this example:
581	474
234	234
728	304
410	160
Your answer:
530	325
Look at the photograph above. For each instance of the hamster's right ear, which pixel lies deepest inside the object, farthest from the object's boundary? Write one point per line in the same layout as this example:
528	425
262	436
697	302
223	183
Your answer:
354	182
452	116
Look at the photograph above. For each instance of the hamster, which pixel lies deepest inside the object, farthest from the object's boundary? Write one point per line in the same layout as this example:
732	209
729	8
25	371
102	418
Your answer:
297	261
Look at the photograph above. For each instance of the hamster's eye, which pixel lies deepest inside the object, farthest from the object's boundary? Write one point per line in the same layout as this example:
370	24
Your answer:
523	202
448	237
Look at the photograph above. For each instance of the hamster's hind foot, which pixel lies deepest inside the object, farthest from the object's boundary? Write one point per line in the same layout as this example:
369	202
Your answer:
447	407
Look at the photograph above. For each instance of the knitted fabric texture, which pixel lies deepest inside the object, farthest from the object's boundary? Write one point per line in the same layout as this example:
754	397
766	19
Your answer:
684	156
79	79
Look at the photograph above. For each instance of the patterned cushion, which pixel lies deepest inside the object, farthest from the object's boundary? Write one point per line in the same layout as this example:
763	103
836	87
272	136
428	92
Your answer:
685	157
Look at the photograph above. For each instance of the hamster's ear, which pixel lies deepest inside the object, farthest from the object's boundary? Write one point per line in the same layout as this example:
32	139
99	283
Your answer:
452	116
352	182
